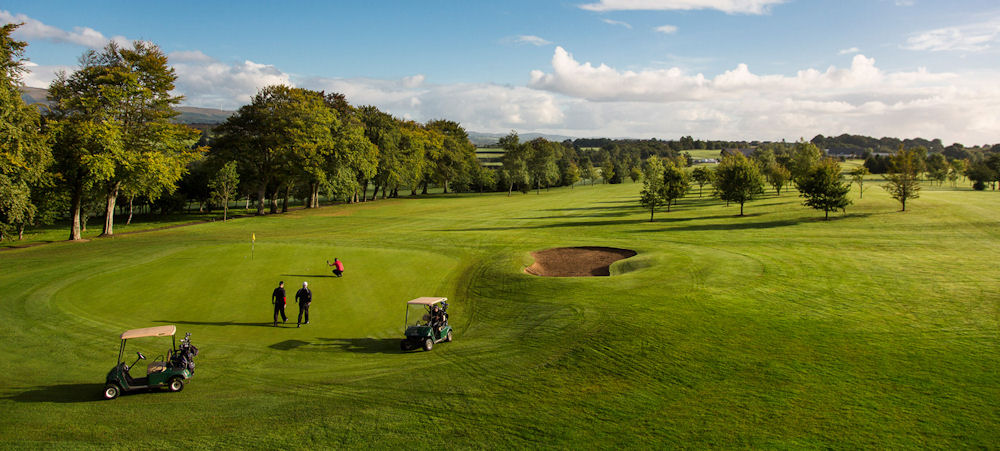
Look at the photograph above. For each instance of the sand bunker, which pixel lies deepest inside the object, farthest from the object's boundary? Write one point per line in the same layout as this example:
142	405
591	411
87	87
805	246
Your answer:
576	261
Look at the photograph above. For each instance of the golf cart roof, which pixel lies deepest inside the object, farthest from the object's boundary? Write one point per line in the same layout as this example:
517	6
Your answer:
158	331
426	301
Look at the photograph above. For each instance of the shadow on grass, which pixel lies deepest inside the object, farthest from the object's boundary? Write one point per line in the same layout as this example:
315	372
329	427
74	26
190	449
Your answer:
218	323
309	275
355	345
61	393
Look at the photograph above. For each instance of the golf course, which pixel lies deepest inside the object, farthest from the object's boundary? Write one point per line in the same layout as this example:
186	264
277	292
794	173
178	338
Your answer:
874	329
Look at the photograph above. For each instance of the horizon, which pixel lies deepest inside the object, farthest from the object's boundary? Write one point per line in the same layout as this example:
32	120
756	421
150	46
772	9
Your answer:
741	70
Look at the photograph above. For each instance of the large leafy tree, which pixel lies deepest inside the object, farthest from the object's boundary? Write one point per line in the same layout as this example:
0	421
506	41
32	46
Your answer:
652	192
126	91
823	188
455	154
805	155
515	162
904	175
24	154
737	180
542	163
676	183
354	159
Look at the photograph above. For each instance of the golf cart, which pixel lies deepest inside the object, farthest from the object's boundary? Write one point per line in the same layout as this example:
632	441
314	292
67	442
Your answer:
432	327
166	370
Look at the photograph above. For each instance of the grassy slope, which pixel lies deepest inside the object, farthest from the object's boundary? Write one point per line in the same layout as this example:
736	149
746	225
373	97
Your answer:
875	329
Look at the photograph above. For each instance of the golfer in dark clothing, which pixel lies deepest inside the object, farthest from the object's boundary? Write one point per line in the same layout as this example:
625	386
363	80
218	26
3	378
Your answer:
278	299
304	297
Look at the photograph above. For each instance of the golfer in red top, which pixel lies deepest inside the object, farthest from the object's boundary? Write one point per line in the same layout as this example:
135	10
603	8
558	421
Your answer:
338	265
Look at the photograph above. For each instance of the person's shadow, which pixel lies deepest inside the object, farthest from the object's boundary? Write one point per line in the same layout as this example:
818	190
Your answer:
356	345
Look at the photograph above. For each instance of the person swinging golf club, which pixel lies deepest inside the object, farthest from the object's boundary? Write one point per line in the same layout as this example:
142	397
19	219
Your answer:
304	298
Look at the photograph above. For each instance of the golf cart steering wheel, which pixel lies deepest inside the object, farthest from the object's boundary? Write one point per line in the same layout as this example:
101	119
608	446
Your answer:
141	357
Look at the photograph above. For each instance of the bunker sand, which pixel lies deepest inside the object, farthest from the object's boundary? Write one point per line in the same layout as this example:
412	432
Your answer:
584	261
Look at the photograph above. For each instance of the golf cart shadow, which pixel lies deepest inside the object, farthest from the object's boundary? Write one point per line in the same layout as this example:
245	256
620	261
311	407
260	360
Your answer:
356	345
218	323
60	393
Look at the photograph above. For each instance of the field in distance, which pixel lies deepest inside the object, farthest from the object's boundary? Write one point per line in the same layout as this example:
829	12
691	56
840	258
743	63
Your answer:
876	329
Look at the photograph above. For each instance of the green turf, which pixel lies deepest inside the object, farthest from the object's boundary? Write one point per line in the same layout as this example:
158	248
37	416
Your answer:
876	329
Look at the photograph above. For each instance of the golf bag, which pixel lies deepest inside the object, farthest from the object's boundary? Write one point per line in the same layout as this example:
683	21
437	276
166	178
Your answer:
184	356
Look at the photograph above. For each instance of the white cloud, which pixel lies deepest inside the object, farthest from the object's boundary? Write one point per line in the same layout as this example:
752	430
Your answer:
741	104
967	38
617	22
35	29
849	51
666	29
207	82
529	39
726	6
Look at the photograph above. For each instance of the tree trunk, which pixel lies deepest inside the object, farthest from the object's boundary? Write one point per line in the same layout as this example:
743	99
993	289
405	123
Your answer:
424	191
651	209
741	208
511	189
130	199
20	231
74	211
445	187
827	217
260	200
109	211
225	209
284	202
364	191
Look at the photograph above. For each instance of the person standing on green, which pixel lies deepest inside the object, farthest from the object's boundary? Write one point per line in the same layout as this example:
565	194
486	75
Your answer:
304	297
278	299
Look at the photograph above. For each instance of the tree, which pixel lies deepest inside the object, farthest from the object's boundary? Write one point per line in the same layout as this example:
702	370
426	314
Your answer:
904	175
128	89
608	170
24	154
701	175
224	186
570	174
675	183
588	172
542	162
823	188
635	174
937	167
805	155
455	153
652	186
515	164
777	176
737	179
858	176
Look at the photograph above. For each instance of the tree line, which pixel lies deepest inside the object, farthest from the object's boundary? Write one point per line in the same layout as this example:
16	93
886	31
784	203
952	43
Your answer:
739	178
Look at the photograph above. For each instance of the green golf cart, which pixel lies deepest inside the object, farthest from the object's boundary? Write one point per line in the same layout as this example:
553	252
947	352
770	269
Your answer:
169	370
432	327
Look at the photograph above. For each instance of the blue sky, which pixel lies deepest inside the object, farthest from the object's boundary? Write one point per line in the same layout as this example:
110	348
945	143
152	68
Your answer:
715	69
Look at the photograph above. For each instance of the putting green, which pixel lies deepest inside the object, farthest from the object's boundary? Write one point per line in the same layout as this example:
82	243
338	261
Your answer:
778	329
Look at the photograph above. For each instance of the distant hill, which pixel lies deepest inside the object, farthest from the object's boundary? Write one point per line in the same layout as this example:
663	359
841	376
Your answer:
189	114
489	139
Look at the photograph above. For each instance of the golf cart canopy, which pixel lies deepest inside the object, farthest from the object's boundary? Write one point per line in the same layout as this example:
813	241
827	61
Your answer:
158	331
426	301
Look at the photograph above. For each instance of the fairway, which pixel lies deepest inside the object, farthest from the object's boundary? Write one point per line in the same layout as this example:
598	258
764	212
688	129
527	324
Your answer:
875	329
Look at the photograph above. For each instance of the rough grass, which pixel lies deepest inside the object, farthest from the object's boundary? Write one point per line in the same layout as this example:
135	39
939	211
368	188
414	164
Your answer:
876	329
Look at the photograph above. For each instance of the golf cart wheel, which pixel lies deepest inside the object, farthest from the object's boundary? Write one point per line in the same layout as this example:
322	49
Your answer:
176	384
111	391
428	344
447	338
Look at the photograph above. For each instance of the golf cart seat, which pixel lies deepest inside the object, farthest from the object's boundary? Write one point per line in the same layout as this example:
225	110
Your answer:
156	367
